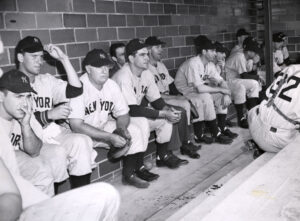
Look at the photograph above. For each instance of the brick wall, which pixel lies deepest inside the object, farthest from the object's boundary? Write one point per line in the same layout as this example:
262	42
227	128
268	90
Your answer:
77	26
286	18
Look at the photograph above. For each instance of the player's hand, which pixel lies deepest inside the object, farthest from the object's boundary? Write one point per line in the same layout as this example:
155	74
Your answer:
173	116
226	101
221	63
117	141
213	81
256	59
55	52
60	112
27	109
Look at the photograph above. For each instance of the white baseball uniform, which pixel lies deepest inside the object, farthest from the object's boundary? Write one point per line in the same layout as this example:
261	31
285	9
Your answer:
94	107
78	147
135	89
163	80
270	130
236	64
93	202
190	75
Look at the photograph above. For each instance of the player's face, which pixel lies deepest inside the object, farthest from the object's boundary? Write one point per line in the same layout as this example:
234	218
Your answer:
98	75
31	62
251	54
12	103
278	45
156	52
220	56
141	59
120	55
210	54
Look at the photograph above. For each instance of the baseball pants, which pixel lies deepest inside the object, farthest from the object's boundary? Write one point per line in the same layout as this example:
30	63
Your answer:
163	129
139	131
242	88
99	201
264	135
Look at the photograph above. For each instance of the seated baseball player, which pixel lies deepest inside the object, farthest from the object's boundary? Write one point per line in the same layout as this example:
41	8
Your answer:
244	85
51	92
17	195
241	35
275	122
91	112
137	83
214	71
117	53
281	57
171	95
190	81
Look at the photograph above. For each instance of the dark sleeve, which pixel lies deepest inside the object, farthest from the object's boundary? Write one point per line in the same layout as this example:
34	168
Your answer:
173	90
72	91
139	111
287	61
42	118
158	104
249	75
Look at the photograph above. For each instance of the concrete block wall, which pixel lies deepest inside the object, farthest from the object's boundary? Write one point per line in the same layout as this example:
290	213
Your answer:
78	26
286	18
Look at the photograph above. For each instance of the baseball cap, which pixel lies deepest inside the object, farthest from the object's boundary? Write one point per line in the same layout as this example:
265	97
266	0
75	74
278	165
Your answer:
97	58
203	42
278	37
153	40
250	44
241	32
16	81
134	45
219	47
29	44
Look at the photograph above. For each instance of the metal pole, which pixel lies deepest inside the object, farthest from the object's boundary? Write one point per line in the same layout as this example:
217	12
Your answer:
268	41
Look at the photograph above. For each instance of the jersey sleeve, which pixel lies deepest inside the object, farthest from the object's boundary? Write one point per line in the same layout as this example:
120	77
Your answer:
77	107
193	74
120	105
152	93
241	65
58	89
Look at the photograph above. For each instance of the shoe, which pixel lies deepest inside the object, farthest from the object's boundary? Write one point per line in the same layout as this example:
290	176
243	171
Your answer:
256	150
229	133
167	161
180	161
194	147
146	175
222	139
204	139
243	123
186	150
133	180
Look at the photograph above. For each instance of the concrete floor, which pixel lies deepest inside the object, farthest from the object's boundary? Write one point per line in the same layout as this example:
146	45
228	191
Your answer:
175	188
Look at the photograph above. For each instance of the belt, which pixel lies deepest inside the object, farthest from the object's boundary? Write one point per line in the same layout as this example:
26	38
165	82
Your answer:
272	129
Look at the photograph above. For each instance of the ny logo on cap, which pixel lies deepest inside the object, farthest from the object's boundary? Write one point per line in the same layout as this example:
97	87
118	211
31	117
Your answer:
35	40
102	56
141	42
24	79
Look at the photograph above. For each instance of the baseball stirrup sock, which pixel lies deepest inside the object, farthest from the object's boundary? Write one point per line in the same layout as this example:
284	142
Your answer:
251	102
78	181
213	128
129	163
162	149
140	160
221	121
198	128
239	111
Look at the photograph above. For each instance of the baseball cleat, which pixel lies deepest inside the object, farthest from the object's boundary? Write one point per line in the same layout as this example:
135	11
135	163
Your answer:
186	150
146	175
229	133
133	180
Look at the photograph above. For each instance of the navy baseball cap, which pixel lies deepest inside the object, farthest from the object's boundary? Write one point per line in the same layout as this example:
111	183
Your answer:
219	47
204	43
134	45
16	82
278	37
97	58
29	44
250	44
242	32
153	41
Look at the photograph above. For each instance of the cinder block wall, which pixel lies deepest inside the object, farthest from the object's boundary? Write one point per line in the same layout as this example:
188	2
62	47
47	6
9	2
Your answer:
286	18
78	26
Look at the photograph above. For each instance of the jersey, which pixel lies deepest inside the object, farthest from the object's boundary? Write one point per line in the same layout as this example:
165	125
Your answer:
94	106
161	76
135	88
287	100
235	65
212	71
236	49
190	75
278	57
50	91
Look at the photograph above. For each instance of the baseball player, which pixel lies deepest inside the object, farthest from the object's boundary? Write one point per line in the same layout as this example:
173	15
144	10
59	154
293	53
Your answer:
90	115
241	35
244	85
17	194
275	122
171	95
280	55
52	91
117	53
190	81
136	82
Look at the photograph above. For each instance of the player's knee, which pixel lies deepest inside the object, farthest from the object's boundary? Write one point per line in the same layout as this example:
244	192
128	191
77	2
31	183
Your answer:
82	141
